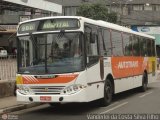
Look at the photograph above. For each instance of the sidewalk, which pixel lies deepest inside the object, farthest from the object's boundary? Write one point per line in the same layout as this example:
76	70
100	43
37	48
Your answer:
10	104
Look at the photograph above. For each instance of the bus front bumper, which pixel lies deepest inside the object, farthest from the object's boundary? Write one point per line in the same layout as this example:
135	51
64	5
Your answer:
76	97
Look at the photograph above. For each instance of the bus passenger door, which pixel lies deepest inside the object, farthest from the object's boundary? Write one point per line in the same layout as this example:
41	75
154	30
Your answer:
92	64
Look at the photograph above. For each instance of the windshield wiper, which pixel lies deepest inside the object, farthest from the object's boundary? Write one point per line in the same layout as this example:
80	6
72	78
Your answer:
37	61
32	39
61	34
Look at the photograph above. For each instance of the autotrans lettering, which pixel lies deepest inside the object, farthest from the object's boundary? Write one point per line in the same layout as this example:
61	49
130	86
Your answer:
60	24
127	64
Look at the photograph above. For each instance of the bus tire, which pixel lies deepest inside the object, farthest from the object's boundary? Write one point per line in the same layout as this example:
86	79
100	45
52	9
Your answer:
108	94
144	82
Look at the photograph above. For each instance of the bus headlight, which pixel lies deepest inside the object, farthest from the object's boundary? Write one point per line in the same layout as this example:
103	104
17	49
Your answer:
73	89
24	89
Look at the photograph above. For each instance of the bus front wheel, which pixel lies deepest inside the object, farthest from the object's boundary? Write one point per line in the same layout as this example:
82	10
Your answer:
108	93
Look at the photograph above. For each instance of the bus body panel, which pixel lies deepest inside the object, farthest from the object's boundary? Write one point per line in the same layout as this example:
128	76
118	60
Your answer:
107	67
94	81
127	71
78	97
131	71
123	84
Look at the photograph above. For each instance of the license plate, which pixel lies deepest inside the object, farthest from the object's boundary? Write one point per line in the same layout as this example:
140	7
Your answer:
45	98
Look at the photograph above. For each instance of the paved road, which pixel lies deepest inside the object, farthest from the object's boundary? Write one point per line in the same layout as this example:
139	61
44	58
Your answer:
126	103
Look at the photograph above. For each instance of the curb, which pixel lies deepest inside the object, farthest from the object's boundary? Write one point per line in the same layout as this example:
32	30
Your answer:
18	107
7	88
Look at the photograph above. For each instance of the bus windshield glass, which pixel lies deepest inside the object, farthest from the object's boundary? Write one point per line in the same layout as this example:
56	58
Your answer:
50	53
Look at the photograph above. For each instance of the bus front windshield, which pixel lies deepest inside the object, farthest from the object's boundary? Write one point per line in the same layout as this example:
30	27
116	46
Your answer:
50	53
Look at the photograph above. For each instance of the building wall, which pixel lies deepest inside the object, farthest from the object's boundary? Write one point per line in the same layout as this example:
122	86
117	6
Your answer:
8	44
15	18
127	9
11	16
130	12
4	40
141	18
9	19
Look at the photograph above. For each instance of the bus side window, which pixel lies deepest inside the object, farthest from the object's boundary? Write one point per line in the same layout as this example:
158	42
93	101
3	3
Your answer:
136	46
101	42
143	46
91	41
127	41
153	48
91	49
105	42
149	51
117	43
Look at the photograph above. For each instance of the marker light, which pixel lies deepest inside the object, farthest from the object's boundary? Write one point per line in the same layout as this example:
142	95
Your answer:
72	89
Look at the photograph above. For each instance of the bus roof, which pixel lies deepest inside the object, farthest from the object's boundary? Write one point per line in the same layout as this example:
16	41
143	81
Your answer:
96	22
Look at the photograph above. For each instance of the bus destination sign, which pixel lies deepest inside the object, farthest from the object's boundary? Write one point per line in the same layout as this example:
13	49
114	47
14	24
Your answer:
54	25
49	25
27	27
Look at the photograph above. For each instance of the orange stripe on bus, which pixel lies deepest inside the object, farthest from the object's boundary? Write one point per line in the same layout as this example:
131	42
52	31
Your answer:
129	66
59	79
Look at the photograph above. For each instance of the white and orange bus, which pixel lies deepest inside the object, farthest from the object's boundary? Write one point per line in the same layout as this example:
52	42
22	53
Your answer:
76	59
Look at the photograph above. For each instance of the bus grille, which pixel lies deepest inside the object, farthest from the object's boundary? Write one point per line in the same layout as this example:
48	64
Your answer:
39	90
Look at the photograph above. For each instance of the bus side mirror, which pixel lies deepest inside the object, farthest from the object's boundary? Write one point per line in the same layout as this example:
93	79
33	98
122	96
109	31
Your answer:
92	37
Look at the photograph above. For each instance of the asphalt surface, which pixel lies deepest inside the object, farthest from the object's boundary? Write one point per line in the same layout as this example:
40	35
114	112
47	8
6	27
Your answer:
132	104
